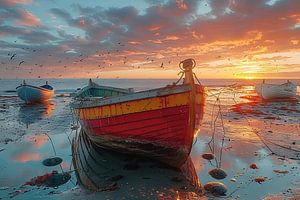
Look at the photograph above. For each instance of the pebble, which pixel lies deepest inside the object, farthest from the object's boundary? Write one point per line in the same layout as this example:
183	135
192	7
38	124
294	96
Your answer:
280	171
233	180
208	156
216	188
253	166
218	173
52	161
260	179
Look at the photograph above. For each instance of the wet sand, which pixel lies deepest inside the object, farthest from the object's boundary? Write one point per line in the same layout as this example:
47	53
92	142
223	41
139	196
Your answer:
264	133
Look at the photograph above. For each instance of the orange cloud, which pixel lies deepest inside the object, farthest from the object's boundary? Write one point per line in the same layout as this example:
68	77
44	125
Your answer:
14	2
28	19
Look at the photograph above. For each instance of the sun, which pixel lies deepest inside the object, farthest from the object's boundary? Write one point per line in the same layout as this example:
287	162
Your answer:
245	76
249	77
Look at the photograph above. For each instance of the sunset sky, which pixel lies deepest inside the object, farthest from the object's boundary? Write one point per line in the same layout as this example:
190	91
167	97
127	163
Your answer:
148	38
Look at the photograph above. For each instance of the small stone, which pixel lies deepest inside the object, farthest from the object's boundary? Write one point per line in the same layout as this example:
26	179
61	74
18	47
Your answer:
218	173
253	166
52	161
280	171
216	188
260	179
233	180
208	156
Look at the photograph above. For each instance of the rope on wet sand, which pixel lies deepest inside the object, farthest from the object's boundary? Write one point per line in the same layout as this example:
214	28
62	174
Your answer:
263	140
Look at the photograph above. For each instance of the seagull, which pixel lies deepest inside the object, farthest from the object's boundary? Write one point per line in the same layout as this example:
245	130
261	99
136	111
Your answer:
162	65
21	62
13	56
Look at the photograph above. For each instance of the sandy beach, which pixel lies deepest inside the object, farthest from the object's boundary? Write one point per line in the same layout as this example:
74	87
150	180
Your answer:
250	132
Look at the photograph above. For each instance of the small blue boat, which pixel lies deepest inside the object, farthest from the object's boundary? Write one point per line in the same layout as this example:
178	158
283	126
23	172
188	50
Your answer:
33	94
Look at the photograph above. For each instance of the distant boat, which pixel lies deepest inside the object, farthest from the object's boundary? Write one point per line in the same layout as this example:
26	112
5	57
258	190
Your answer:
32	94
159	123
276	91
95	90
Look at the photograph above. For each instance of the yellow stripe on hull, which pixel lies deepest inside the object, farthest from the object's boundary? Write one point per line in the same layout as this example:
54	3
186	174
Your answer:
135	106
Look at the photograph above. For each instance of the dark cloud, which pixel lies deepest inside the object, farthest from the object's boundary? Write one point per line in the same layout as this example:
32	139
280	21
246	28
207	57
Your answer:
61	13
30	36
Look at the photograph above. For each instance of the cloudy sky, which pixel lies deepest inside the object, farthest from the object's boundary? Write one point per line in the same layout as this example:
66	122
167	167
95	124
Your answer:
148	38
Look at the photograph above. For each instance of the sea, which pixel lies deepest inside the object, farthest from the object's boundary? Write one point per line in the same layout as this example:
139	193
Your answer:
255	145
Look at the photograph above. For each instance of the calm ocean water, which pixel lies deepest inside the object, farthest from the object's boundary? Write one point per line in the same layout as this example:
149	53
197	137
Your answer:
70	85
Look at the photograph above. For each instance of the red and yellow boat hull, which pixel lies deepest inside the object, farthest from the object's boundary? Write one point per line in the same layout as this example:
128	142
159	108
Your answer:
160	124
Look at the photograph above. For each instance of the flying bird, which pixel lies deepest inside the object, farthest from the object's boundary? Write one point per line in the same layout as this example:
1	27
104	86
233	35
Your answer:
21	62
13	56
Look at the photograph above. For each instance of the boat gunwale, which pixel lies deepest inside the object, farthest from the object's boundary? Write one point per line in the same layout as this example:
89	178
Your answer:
35	87
158	92
95	85
276	85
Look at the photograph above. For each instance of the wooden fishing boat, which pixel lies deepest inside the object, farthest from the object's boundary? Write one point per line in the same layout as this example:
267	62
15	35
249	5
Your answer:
275	91
95	90
160	123
32	94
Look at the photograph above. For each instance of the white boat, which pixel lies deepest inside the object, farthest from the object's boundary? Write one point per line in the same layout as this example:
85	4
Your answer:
32	94
276	91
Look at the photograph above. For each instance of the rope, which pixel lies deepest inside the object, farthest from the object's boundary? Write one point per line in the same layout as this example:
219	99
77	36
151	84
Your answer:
197	78
182	74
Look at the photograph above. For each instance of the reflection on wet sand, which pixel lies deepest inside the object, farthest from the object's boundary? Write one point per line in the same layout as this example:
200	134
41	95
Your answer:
101	170
32	113
27	156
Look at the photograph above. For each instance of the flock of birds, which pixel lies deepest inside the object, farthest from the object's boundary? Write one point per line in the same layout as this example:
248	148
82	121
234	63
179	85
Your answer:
99	58
16	60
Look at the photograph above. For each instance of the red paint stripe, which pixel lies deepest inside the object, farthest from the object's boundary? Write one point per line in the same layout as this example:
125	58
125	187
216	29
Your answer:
132	121
136	117
138	123
172	137
166	127
140	130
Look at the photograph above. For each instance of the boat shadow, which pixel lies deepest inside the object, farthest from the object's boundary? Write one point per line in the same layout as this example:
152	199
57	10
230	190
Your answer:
100	170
